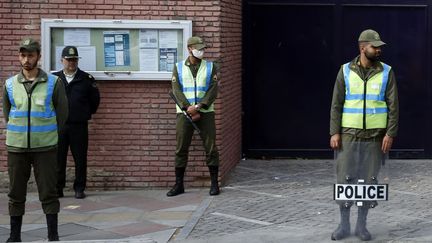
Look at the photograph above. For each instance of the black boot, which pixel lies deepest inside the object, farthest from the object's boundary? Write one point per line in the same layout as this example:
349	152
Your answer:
178	188
214	188
15	232
52	223
360	230
344	228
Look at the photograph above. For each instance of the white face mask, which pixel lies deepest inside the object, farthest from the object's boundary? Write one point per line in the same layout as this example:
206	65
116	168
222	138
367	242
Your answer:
198	53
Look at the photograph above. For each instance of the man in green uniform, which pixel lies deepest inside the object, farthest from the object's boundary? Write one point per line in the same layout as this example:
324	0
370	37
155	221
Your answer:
194	84
35	108
363	123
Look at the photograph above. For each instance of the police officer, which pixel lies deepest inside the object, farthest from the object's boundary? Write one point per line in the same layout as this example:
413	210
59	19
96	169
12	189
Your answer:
364	112
194	84
83	97
35	108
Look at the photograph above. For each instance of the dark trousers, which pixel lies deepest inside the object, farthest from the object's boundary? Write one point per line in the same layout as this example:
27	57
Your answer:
45	173
75	136
184	135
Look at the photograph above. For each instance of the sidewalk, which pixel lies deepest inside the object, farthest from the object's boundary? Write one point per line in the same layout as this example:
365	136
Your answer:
115	216
279	201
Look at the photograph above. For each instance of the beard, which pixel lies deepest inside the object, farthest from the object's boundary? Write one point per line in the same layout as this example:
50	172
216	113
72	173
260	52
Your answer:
372	57
28	66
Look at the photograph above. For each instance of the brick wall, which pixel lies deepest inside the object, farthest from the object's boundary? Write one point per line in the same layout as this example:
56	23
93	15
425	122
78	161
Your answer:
132	137
230	91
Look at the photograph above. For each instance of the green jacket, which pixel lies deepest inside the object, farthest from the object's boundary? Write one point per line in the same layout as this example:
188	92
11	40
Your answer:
338	100
59	101
210	96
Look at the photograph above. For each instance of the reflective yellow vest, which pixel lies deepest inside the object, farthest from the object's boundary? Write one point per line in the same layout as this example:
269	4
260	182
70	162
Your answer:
360	94
32	118
195	89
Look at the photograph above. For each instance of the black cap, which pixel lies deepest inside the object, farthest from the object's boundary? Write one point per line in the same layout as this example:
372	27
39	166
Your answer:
70	52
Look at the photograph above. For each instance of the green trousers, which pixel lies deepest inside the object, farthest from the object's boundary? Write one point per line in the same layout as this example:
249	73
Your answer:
185	132
45	172
359	158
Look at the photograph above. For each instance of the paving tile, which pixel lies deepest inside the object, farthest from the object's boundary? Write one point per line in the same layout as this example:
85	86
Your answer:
107	225
93	235
113	217
4	237
4	207
189	207
28	227
160	236
30	237
139	228
79	205
118	209
4	231
171	223
143	203
73	228
4	220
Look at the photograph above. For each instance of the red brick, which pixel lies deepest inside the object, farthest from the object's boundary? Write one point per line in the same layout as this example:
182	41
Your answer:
132	137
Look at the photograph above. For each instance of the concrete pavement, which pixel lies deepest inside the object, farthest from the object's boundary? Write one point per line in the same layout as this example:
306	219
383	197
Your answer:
114	216
263	201
292	201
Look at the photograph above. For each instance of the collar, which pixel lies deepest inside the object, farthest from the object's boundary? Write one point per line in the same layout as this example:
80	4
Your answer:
70	75
41	77
188	63
355	64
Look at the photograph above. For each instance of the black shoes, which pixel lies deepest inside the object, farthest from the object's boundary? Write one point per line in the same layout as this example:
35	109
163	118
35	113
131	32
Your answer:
177	189
15	233
80	195
52	224
214	187
13	240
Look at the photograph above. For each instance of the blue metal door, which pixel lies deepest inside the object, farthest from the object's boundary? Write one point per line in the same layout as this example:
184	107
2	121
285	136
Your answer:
292	52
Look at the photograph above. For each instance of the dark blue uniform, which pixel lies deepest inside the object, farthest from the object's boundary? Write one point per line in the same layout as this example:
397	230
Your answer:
83	97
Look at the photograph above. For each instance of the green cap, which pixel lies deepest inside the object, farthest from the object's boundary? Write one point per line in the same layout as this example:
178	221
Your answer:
197	42
30	44
371	36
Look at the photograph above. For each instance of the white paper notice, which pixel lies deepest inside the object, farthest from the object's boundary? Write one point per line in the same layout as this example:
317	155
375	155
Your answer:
58	63
76	37
148	39
119	58
168	39
148	59
87	62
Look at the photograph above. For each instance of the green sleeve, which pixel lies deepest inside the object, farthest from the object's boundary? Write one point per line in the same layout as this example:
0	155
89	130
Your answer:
392	101
6	104
337	104
211	94
177	90
60	103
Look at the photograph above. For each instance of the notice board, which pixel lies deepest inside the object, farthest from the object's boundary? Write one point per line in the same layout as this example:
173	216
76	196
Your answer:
117	49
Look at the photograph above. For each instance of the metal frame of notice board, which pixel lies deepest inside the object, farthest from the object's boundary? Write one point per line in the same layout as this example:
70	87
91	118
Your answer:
117	49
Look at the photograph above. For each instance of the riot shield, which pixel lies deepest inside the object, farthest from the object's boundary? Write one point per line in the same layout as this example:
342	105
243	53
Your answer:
362	180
